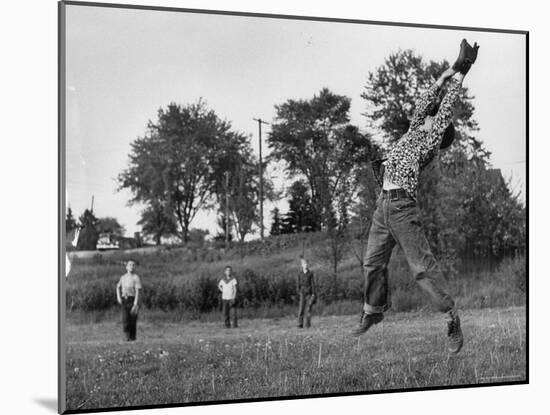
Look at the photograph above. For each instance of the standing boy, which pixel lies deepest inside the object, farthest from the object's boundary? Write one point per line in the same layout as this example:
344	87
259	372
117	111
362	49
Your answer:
305	284
396	219
228	288
127	295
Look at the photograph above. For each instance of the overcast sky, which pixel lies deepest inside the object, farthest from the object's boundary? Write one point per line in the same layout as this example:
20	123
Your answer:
123	65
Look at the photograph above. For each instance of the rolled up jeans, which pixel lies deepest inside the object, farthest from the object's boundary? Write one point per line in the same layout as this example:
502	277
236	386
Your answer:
129	320
396	220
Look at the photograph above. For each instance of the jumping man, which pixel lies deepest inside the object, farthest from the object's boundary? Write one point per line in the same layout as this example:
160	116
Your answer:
396	218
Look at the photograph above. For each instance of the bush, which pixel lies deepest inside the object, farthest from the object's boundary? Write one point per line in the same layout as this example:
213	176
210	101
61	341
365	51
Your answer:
173	281
518	268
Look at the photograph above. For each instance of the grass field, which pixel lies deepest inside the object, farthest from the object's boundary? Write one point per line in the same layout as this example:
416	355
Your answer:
202	361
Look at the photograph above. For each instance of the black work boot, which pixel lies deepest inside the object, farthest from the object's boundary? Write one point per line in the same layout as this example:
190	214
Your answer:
454	333
367	320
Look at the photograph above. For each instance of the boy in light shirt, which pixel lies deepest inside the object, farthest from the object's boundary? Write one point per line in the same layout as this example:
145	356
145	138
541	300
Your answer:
228	288
127	295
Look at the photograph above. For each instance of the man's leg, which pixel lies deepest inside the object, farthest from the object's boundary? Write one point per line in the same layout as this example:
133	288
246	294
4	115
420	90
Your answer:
376	294
301	309
407	229
379	248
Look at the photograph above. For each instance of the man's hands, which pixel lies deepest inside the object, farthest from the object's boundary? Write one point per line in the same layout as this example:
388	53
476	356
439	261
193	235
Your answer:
134	310
465	60
466	57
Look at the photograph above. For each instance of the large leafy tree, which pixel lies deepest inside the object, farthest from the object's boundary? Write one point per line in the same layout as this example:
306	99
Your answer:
173	164
316	140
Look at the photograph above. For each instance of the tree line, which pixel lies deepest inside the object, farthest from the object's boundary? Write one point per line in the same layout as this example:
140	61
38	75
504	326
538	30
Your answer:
190	160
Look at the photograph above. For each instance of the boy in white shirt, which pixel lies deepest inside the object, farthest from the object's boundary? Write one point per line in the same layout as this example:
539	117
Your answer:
127	295
228	288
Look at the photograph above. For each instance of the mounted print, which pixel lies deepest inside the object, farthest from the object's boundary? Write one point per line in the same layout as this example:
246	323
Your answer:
258	207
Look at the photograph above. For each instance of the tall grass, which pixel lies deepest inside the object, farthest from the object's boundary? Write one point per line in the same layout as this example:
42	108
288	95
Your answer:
186	280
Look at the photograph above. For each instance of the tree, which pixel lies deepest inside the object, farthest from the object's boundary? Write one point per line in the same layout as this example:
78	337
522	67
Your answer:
237	184
173	165
70	222
336	244
276	225
361	215
197	235
110	225
316	140
87	219
157	223
223	235
301	215
89	235
244	199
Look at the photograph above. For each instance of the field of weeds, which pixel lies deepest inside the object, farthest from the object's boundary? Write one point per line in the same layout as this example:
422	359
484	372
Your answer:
201	361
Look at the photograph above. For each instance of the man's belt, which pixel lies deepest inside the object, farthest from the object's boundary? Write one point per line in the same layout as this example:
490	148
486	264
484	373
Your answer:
395	194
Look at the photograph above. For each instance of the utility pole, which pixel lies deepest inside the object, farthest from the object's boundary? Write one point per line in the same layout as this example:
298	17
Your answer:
260	122
226	210
92	207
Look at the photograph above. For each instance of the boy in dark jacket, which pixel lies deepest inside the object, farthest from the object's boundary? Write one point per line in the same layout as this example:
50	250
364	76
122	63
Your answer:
305	285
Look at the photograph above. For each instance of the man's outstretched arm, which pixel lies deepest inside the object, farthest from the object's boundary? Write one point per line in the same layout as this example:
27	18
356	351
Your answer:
428	98
445	114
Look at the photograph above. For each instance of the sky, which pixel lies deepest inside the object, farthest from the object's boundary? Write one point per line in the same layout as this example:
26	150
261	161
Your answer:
123	65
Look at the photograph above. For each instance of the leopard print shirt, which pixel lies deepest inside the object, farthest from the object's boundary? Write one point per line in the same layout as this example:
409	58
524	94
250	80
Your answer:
417	148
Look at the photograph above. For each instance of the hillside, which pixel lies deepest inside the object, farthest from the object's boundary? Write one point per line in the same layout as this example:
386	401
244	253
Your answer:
186	278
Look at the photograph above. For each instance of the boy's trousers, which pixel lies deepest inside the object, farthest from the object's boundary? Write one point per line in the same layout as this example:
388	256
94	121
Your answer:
304	308
229	311
129	320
